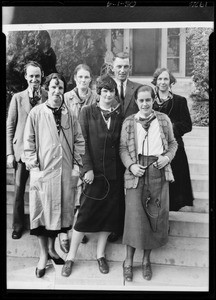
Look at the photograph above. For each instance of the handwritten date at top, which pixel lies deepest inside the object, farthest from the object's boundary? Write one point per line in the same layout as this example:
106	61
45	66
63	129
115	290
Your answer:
198	4
122	3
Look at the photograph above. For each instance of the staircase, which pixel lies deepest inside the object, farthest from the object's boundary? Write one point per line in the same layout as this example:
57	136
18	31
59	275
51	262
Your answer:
180	265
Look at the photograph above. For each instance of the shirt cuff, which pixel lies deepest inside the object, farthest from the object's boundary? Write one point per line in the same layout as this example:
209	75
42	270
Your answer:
167	158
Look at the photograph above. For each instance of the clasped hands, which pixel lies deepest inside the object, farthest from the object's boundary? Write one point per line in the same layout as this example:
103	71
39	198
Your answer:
139	170
88	177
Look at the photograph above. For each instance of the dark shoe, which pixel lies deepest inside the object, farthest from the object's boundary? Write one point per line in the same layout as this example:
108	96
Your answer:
57	261
64	245
147	271
67	268
127	272
103	266
113	237
16	234
84	240
40	272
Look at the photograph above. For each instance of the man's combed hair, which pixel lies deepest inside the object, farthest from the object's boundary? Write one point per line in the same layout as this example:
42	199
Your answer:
33	64
122	55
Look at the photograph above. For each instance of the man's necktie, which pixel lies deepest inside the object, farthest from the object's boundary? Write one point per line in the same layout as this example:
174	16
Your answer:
122	91
35	99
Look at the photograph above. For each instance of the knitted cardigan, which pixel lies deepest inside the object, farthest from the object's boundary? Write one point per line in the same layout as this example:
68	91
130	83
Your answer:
128	146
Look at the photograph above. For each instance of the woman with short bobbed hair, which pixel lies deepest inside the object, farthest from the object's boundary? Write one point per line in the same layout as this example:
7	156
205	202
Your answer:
176	108
99	202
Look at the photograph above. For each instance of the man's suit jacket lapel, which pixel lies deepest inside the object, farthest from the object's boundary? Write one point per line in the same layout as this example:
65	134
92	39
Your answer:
25	101
130	89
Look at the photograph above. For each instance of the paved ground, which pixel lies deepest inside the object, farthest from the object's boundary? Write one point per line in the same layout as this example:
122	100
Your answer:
86	276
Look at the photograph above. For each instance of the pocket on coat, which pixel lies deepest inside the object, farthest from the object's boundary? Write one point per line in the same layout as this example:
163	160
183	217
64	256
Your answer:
35	176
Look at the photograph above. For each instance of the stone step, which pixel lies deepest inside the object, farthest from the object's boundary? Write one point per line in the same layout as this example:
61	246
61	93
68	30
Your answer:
197	153
189	224
86	276
196	166
198	131
179	251
186	224
200	203
200	182
200	167
196	141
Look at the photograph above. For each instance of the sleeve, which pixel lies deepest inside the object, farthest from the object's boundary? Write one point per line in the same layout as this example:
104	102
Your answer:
29	140
184	123
124	151
86	158
11	124
79	143
172	143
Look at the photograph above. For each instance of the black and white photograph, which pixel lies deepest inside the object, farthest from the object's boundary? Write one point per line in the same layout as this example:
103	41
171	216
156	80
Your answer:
107	147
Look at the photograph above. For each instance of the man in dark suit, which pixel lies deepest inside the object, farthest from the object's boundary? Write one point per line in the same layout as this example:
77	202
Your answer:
126	89
20	106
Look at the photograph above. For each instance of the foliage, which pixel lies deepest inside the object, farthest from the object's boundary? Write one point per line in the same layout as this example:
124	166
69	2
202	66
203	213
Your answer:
198	45
73	47
69	48
23	46
200	113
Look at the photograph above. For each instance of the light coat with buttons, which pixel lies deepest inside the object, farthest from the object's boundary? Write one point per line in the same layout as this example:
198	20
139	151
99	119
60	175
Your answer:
49	159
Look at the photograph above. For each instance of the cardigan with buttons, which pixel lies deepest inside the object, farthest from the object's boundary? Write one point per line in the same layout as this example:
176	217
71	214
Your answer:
128	147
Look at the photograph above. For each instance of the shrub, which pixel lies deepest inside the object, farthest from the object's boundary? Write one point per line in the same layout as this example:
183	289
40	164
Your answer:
198	45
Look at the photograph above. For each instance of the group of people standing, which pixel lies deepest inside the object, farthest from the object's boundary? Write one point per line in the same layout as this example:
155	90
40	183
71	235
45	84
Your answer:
115	157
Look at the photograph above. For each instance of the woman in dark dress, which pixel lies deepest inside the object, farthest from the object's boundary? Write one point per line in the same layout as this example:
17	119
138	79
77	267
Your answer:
99	202
176	108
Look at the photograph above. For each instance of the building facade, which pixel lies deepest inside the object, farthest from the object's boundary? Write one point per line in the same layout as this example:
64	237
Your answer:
151	48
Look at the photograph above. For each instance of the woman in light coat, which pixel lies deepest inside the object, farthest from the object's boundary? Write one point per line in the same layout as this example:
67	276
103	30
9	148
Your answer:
53	143
147	146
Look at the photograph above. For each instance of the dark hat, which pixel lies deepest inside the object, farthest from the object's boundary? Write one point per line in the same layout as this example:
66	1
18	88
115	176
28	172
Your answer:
106	82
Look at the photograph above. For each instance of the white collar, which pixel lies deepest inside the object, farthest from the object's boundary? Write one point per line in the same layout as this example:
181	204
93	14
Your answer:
119	82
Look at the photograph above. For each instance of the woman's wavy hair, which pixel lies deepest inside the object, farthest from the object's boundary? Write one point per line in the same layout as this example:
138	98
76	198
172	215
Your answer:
54	76
161	70
106	82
